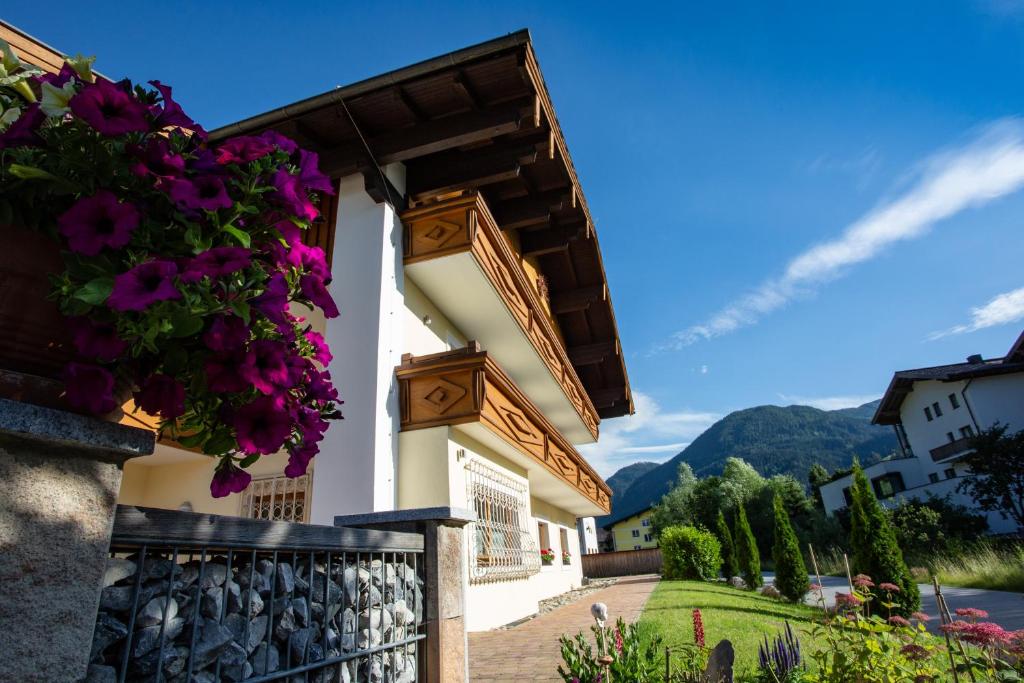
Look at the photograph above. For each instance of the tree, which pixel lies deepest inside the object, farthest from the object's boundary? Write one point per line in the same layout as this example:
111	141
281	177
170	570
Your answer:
728	551
935	526
747	556
675	508
997	464
690	553
875	549
790	571
817	476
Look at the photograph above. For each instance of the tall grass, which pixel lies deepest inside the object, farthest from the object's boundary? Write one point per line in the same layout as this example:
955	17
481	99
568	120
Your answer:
982	566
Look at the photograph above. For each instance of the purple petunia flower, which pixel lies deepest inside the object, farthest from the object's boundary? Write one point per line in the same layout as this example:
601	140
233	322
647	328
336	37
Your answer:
93	223
96	340
321	351
171	113
310	259
285	144
313	287
311	425
243	149
319	386
89	388
216	262
224	373
158	160
228	479
290	193
298	459
143	285
202	192
109	109
310	176
57	80
22	132
273	302
261	426
227	333
162	395
266	366
289	231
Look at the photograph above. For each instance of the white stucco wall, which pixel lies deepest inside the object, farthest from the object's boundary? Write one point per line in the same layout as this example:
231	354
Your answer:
586	527
999	398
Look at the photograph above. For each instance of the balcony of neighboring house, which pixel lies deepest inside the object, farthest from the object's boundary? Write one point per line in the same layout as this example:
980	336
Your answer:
952	449
457	254
469	391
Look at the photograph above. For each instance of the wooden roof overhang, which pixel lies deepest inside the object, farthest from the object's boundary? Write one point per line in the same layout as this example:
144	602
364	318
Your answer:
479	119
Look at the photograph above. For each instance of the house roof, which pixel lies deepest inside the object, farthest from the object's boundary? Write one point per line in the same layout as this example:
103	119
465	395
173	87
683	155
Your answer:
478	119
902	382
30	49
619	518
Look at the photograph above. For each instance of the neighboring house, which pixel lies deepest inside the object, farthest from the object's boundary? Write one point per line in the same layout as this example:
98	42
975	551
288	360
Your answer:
586	527
477	342
935	412
633	532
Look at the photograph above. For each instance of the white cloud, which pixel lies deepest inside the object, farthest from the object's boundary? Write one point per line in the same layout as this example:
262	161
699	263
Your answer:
649	431
828	402
1001	309
703	369
989	167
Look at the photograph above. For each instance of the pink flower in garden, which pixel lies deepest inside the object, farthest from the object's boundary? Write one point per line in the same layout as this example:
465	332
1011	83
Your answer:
897	620
96	340
226	333
971	613
171	114
109	108
321	352
313	260
89	388
914	652
983	634
266	366
243	149
216	262
158	160
618	641
22	133
262	426
224	372
815	587
314	290
144	285
889	587
228	479
920	616
162	395
847	600
291	194
202	192
310	177
863	581
273	302
99	221
283	143
698	628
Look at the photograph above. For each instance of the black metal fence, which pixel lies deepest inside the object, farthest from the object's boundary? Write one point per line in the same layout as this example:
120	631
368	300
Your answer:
201	598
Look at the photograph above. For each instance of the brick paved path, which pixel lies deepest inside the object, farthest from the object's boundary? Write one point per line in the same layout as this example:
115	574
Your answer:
530	651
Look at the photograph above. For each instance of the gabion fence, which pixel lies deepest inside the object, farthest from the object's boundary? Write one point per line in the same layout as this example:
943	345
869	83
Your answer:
199	598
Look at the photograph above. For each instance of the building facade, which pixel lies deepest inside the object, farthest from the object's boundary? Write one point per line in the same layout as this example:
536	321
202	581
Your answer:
633	533
476	345
935	411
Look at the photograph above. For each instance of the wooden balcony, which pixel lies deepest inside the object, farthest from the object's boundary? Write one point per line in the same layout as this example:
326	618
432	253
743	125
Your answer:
951	449
456	253
467	388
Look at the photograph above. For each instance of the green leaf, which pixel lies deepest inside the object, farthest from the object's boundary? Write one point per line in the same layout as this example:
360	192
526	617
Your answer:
96	291
248	460
219	444
30	173
241	309
192	440
242	237
185	323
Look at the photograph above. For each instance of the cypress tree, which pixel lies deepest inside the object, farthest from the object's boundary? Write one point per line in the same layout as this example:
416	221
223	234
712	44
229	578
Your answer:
875	549
790	571
728	551
748	559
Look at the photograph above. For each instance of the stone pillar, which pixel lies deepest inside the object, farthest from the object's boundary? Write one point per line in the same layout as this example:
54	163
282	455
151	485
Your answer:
444	581
356	468
60	474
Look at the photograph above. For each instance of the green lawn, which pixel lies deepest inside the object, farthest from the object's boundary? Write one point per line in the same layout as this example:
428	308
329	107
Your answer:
741	616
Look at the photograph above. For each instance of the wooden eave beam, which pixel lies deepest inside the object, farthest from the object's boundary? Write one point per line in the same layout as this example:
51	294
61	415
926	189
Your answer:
607	397
550	241
579	299
530	211
593	354
480	170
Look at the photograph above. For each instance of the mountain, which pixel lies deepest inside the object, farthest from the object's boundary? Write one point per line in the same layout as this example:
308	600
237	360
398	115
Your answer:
621	481
773	439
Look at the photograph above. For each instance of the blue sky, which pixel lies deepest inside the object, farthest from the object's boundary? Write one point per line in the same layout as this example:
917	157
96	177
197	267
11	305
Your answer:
718	146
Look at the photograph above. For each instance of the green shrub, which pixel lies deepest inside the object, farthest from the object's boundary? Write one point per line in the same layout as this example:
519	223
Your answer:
935	527
790	570
728	551
690	553
748	559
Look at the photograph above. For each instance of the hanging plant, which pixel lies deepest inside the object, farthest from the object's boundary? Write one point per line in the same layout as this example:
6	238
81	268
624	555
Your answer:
182	262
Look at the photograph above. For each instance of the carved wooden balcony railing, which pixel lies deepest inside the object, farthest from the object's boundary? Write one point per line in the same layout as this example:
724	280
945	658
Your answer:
465	386
952	448
465	224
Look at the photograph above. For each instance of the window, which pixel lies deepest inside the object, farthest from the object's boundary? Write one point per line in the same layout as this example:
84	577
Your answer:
277	498
636	547
888	485
502	548
847	496
950	473
949	435
645	522
563	540
928	413
933	478
966	432
937	408
636	533
954	401
648	538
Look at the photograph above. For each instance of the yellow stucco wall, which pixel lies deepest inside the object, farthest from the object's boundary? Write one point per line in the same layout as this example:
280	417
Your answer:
622	532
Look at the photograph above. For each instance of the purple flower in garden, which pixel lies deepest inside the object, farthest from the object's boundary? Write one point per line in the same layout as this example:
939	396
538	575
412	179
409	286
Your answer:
202	192
920	616
298	459
243	149
310	176
889	587
109	109
96	340
290	193
57	80
314	289
266	366
311	425
224	372
171	113
22	133
228	479
289	231
283	143
89	388
162	395
157	159
310	259
99	221
321	352
319	386
273	302
143	285
226	333
972	613
863	581
914	652
262	426
897	620
216	262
